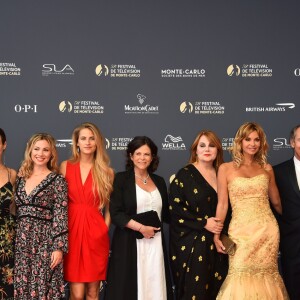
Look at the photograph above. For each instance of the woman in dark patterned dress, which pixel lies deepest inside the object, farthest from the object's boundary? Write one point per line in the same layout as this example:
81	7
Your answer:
41	228
7	234
198	270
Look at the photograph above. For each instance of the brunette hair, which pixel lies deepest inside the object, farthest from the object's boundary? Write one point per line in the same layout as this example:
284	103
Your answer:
138	142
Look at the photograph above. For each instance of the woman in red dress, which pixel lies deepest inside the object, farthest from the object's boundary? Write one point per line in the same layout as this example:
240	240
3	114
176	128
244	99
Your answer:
89	178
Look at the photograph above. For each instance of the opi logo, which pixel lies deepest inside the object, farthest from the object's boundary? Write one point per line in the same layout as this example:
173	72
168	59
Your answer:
26	108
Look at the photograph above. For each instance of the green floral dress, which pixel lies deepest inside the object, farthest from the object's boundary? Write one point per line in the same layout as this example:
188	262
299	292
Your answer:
7	235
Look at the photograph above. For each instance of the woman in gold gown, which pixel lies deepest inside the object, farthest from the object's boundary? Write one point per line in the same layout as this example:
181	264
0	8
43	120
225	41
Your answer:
248	181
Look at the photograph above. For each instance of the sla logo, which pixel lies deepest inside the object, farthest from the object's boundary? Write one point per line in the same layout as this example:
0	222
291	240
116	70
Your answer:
281	143
49	69
233	70
173	143
65	106
102	70
186	107
26	108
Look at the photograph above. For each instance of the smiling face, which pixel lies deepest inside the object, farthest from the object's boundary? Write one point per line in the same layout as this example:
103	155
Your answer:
251	144
295	143
41	153
86	141
206	151
141	158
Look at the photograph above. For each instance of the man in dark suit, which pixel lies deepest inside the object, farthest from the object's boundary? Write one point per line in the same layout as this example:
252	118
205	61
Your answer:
288	181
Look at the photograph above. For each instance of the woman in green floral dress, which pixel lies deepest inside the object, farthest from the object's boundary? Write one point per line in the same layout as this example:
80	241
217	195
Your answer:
7	234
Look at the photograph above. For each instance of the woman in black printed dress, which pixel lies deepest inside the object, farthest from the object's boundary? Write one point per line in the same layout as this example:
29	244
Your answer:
7	233
41	228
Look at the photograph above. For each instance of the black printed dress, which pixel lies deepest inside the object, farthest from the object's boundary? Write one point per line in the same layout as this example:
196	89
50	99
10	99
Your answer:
41	228
7	234
198	270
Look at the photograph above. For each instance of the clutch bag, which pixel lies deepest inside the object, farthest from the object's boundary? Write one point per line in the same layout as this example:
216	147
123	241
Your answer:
148	218
228	243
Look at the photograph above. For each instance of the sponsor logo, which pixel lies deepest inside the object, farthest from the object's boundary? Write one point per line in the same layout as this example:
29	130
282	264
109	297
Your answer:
233	70
102	70
81	107
183	73
278	107
297	72
186	107
227	143
118	143
9	69
118	71
281	143
63	143
65	106
52	69
249	70
141	108
202	107
25	108
173	143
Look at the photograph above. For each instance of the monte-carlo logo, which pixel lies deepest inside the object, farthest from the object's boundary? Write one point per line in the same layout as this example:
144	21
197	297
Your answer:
173	143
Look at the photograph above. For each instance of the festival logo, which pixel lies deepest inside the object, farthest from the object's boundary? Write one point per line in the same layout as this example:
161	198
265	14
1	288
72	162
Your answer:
81	107
186	107
118	143
118	71
250	71
227	143
65	106
9	69
233	70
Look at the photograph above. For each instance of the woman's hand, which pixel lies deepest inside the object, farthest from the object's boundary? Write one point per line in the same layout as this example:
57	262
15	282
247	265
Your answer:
214	225
148	231
56	258
219	245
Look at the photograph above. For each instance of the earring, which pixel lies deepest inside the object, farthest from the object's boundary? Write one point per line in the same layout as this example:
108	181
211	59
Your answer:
78	149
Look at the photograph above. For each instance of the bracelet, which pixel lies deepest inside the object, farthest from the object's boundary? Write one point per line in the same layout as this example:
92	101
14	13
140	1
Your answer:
140	227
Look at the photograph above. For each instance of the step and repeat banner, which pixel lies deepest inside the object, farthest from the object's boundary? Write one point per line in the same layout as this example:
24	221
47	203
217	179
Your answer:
165	69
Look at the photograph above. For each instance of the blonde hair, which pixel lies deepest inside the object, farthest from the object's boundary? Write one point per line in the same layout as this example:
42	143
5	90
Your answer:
242	133
26	168
212	137
103	174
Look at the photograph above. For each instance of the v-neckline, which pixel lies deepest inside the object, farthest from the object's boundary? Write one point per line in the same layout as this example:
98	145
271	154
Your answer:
36	187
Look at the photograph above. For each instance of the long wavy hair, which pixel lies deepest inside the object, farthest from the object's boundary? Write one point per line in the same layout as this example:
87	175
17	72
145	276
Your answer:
26	168
135	144
103	174
213	138
242	133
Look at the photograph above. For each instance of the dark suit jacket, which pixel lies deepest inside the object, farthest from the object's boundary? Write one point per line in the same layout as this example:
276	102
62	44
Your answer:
122	271
289	222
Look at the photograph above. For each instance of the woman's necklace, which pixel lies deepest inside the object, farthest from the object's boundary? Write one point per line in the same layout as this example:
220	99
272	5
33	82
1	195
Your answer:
143	180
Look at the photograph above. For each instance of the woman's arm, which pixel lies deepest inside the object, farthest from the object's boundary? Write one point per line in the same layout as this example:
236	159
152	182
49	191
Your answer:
273	191
222	206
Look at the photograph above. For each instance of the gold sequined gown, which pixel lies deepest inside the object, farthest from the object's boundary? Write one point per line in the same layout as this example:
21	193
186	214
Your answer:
253	269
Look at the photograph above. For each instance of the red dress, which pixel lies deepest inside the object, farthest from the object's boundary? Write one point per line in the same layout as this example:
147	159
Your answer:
88	253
